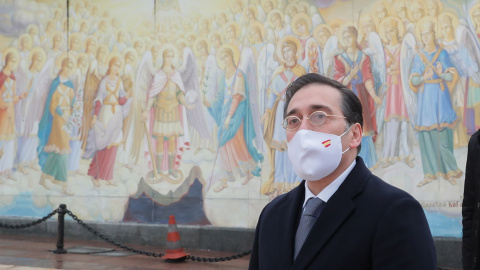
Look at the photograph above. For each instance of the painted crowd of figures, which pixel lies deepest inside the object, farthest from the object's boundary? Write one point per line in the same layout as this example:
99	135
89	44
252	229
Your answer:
87	88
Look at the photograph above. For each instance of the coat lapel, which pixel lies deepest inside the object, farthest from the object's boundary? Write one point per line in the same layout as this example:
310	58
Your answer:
337	210
286	223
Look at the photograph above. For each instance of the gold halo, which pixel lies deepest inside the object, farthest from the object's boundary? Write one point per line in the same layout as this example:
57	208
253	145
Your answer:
439	5
170	46
323	26
418	25
218	34
259	26
190	34
80	55
397	4
304	4
58	33
82	21
104	46
335	24
30	26
387	6
133	51
27	36
60	58
252	7
116	55
411	4
472	11
290	7
236	55
382	27
343	26
298	17
270	17
75	35
237	28
139	39
452	16
87	39
279	49
197	42
367	16
118	32
217	16
41	51
15	52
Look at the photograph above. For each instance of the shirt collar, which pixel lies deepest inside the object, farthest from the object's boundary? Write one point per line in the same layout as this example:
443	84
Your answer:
329	190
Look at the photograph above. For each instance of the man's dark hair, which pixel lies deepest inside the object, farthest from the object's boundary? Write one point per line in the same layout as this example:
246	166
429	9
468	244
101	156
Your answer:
350	104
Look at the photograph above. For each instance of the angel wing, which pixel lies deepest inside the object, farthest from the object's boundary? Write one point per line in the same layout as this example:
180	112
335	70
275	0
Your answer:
40	94
266	66
407	53
248	66
379	71
196	115
469	55
331	49
146	72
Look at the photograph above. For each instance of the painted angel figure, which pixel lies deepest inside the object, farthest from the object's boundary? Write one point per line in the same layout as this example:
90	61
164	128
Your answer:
392	116
208	72
276	22
354	69
266	64
311	58
282	177
432	78
54	139
111	107
26	127
124	156
96	72
200	136
165	115
459	42
233	115
8	98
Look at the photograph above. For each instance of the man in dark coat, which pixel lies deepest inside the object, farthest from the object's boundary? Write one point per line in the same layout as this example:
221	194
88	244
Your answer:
471	206
362	222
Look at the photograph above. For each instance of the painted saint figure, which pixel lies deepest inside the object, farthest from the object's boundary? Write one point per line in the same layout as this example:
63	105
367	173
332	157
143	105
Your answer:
8	98
166	115
432	78
282	178
232	114
111	106
353	68
54	139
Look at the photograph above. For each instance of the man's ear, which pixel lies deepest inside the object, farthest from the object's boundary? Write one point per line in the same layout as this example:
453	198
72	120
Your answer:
357	134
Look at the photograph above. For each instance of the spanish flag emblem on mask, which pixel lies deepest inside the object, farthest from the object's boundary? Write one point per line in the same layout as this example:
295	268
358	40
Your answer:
327	143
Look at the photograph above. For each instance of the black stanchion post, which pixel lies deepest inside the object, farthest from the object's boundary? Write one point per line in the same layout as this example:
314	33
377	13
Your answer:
60	230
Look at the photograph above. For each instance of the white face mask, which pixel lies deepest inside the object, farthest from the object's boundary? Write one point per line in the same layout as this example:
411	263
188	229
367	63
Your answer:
315	155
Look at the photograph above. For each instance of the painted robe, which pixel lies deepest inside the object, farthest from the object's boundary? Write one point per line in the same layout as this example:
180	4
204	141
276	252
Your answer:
111	106
76	124
396	142
236	149
282	178
8	98
124	152
54	138
436	117
357	84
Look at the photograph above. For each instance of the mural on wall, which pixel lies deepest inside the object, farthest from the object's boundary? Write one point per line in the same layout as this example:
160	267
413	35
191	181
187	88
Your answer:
136	110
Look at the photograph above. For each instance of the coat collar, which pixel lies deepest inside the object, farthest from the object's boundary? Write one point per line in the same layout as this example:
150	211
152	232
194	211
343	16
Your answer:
336	211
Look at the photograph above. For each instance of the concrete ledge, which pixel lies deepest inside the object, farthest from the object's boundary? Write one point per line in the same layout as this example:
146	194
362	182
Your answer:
449	250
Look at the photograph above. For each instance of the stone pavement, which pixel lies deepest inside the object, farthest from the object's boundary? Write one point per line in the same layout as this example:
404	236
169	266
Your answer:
32	253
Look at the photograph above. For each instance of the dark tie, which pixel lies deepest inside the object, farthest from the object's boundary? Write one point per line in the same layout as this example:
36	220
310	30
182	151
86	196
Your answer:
312	210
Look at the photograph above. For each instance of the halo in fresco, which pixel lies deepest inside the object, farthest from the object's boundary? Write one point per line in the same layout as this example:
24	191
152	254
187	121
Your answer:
388	21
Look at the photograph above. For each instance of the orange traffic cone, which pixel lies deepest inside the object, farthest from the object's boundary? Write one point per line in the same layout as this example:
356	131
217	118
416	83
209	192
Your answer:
175	250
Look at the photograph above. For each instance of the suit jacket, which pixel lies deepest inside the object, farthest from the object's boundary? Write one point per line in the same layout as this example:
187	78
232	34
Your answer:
471	206
366	224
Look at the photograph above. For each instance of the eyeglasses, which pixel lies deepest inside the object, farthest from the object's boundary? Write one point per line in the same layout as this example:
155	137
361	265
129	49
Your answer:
316	118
